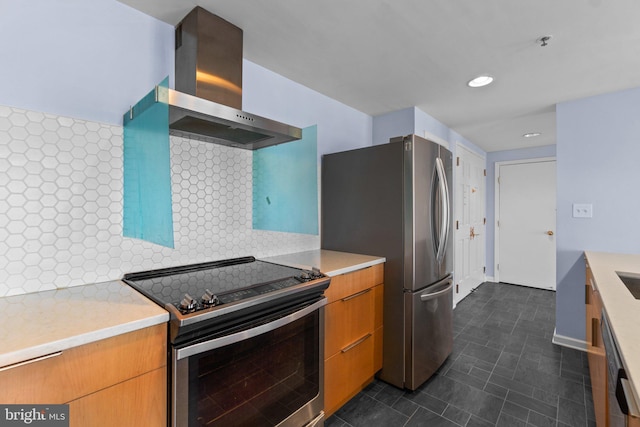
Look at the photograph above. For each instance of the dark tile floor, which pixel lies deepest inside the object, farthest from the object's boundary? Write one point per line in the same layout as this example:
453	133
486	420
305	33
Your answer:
504	371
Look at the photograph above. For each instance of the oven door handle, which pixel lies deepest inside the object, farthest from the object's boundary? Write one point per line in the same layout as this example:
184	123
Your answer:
246	334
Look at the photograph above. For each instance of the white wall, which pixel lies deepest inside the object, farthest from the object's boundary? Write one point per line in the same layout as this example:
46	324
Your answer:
598	147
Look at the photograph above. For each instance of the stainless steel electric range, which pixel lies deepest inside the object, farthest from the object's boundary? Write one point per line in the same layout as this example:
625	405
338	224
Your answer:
245	342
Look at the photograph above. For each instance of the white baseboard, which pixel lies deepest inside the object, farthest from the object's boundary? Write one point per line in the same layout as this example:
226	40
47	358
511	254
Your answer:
569	342
489	279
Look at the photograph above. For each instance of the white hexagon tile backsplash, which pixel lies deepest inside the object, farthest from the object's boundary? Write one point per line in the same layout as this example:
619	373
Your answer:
61	205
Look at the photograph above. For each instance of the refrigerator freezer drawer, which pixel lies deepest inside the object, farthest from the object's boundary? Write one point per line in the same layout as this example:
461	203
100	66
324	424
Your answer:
428	331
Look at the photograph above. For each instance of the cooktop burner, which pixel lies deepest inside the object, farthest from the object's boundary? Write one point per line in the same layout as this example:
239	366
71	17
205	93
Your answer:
206	291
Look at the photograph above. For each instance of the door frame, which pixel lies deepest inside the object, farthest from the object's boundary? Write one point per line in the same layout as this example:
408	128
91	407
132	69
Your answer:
496	207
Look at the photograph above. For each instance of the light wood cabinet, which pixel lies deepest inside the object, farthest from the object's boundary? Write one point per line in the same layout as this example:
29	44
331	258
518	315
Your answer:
595	349
353	334
120	380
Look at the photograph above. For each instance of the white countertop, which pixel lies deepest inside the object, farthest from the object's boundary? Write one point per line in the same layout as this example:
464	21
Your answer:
623	310
331	263
41	323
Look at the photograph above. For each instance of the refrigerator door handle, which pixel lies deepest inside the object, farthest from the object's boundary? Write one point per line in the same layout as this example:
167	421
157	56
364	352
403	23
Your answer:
444	207
434	295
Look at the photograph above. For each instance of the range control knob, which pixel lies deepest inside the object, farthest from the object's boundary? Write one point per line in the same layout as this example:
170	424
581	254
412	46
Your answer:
308	275
209	299
188	304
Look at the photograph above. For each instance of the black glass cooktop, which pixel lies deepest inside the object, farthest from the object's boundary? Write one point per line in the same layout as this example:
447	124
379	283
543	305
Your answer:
228	281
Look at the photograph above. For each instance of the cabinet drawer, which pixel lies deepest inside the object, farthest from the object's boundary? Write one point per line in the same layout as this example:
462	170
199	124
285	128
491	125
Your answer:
347	372
140	400
347	284
85	369
348	319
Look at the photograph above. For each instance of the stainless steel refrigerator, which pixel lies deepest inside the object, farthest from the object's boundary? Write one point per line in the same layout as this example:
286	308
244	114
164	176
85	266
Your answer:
394	200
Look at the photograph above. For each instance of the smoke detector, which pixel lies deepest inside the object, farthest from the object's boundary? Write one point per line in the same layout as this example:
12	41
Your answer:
543	41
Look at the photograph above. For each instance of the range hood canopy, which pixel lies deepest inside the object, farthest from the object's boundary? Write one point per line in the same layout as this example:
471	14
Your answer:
207	100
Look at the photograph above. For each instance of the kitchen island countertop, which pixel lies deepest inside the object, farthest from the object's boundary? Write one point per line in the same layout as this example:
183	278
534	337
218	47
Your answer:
43	323
331	263
622	309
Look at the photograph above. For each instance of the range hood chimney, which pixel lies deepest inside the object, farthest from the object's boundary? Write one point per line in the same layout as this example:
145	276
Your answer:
207	101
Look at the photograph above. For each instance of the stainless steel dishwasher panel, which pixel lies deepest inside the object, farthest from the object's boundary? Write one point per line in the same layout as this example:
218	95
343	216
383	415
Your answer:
428	331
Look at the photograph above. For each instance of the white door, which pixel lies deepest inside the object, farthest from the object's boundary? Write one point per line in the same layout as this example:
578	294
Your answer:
469	222
526	223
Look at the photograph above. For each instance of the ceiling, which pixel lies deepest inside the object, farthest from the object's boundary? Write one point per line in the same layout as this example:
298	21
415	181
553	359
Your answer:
384	55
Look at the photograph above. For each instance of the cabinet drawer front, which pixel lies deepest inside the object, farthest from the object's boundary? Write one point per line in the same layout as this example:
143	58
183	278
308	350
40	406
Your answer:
347	284
346	373
138	401
348	320
85	369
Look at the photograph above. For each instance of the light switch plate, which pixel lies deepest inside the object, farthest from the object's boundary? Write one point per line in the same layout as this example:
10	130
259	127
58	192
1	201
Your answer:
582	210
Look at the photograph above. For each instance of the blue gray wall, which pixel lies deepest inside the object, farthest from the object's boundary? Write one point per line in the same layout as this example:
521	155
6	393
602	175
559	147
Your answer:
413	120
598	149
395	123
269	94
93	60
88	60
70	70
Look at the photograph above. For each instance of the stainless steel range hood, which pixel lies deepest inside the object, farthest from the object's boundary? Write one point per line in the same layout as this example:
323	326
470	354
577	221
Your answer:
207	100
198	118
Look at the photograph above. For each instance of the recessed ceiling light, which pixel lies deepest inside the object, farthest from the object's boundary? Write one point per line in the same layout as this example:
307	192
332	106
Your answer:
531	134
480	81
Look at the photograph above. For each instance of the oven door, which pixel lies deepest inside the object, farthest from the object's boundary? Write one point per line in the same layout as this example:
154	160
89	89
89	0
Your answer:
268	375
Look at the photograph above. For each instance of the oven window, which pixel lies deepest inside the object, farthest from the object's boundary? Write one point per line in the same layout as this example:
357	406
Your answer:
259	381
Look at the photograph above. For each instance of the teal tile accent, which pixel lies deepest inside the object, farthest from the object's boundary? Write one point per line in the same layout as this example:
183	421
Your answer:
285	186
147	213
